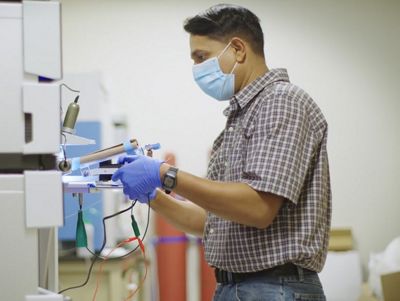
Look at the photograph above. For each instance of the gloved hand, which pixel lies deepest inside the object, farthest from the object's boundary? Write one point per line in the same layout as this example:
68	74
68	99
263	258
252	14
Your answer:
140	177
145	198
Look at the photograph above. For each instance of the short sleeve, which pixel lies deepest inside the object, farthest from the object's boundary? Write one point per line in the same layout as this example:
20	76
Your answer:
280	148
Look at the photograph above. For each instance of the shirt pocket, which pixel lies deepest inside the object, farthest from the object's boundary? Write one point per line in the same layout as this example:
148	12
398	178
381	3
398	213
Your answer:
248	131
232	157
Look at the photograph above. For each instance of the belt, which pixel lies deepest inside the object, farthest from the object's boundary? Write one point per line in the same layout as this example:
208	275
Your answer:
225	277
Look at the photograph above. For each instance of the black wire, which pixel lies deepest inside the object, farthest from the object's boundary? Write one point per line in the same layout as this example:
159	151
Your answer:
96	256
132	209
101	249
105	237
133	250
144	234
76	91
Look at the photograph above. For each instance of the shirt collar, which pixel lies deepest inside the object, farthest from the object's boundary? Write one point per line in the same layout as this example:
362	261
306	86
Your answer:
244	96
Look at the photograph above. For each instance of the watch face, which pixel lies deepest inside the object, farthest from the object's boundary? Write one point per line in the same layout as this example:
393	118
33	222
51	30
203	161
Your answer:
168	182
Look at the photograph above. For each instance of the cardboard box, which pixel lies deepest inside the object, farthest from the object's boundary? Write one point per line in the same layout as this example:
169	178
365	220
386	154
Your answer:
391	286
341	239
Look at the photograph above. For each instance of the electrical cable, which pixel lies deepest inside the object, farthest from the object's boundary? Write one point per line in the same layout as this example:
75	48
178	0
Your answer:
101	249
131	295
141	245
132	210
133	250
66	86
69	88
105	238
96	256
99	276
144	234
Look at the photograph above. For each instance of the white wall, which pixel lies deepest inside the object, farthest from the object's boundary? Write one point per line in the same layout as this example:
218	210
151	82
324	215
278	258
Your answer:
344	53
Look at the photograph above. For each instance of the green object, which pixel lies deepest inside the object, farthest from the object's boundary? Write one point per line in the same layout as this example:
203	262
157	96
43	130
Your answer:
135	226
81	238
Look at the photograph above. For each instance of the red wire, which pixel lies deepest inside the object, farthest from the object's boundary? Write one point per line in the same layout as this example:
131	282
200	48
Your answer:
106	258
145	273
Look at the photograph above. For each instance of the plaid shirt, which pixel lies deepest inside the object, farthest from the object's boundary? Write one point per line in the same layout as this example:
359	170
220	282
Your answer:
274	141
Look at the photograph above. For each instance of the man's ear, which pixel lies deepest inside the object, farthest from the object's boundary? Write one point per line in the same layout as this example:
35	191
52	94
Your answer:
240	47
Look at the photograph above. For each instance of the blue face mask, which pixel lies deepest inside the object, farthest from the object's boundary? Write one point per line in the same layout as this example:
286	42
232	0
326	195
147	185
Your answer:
210	78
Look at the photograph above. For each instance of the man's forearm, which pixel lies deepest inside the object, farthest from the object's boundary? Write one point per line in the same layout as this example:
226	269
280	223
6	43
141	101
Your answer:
233	201
184	215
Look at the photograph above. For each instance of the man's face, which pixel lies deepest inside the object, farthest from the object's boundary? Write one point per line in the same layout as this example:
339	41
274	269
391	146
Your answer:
202	48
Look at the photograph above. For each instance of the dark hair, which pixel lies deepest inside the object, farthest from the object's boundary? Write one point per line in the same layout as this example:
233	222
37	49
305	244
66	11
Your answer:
224	21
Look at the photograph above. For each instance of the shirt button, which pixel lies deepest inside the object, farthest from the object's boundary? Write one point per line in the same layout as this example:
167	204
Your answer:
230	129
226	164
211	231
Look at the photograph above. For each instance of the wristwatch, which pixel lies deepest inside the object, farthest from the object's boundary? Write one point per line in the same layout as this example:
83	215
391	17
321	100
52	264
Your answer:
169	180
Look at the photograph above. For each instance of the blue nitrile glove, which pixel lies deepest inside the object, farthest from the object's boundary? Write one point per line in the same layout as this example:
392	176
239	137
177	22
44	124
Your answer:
144	199
140	177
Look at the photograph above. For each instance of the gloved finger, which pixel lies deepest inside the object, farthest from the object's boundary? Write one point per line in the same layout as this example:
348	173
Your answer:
116	175
133	196
123	159
127	159
126	190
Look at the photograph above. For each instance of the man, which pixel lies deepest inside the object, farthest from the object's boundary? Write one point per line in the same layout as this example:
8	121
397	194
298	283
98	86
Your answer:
264	210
